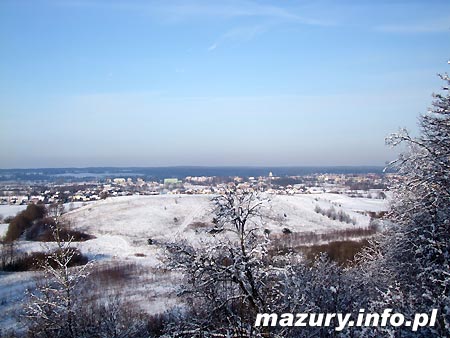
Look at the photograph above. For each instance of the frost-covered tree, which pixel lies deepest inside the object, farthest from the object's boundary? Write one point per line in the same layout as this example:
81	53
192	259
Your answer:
235	275
229	278
417	252
406	268
51	306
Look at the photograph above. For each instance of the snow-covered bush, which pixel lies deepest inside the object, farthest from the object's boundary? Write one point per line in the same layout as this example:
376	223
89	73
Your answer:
331	213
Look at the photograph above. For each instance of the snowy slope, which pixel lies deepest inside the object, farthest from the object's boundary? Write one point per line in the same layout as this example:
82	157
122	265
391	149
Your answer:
7	210
122	226
169	216
141	217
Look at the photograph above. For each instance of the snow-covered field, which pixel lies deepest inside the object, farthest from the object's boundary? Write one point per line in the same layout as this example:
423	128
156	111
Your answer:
123	225
7	210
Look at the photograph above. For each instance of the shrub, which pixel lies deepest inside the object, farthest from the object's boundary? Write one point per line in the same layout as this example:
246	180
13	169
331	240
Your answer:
331	213
287	231
16	227
297	241
34	212
114	317
374	214
8	219
24	220
155	324
34	260
113	274
199	225
41	231
342	252
65	234
39	228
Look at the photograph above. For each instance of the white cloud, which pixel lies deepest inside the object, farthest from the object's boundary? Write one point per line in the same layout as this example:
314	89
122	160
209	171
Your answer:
239	34
180	11
198	9
212	47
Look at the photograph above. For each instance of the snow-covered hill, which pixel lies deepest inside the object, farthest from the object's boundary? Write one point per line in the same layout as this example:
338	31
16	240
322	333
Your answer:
123	225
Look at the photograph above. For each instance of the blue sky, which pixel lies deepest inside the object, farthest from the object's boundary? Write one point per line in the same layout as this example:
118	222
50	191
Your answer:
151	83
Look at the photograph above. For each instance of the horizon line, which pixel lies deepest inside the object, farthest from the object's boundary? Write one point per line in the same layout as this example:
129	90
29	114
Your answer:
201	166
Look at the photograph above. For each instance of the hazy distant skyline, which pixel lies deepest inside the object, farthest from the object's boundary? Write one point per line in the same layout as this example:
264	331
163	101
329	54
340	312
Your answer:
213	83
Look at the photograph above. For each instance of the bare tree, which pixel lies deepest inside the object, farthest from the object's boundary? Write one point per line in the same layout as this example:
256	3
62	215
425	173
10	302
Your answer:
52	305
228	277
7	252
55	211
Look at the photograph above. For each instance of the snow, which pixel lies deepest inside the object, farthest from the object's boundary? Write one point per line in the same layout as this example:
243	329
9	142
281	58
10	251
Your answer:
129	221
356	204
164	217
122	226
113	247
3	229
141	217
297	213
12	295
7	210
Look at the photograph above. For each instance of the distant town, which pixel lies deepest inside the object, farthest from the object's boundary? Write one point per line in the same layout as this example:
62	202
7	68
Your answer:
367	185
